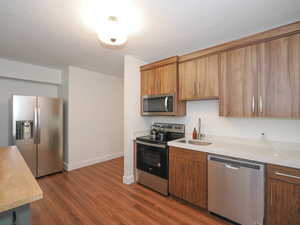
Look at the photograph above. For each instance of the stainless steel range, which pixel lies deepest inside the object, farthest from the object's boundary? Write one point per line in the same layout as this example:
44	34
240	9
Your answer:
153	155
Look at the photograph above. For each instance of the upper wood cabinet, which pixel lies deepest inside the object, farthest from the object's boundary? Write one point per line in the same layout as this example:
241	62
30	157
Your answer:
188	175
238	82
167	78
198	78
255	76
262	80
160	77
279	86
283	196
149	82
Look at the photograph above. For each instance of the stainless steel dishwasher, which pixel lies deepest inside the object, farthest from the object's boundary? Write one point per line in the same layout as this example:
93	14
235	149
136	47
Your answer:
236	189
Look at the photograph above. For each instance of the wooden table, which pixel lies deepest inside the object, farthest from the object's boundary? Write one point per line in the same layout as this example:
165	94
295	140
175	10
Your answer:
18	187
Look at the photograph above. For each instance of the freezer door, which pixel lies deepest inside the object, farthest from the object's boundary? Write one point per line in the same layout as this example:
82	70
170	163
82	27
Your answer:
24	113
50	135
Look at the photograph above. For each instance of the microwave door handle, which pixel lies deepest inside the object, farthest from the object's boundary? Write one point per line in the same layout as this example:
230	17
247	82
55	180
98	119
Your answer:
166	103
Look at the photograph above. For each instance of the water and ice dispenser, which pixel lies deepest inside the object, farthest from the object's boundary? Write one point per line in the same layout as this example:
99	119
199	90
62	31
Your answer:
24	129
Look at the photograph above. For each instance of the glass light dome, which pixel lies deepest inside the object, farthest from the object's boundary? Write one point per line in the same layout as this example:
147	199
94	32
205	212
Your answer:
112	32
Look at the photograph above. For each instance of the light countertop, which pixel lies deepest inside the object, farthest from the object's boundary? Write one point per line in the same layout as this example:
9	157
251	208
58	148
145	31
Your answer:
17	184
260	150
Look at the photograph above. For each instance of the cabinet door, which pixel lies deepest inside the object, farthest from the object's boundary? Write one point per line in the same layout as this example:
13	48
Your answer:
198	79
187	176
148	82
238	82
188	80
283	203
279	92
208	77
167	78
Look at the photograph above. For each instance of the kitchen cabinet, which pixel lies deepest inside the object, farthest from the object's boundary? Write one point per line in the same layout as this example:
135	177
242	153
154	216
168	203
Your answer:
238	82
188	175
279	86
159	77
283	196
255	76
262	80
166	76
198	78
149	82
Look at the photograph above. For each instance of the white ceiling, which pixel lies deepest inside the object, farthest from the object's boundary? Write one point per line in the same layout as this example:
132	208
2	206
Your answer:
51	32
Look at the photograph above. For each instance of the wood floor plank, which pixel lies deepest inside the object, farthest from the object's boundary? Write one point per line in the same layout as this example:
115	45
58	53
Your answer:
95	195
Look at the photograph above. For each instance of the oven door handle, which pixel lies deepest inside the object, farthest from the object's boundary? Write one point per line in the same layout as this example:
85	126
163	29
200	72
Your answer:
151	144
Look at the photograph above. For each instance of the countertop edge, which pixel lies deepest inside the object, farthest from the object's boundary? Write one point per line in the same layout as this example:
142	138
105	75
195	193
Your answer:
21	203
280	162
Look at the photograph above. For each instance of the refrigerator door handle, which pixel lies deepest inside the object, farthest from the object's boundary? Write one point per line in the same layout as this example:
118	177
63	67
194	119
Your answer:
39	125
35	126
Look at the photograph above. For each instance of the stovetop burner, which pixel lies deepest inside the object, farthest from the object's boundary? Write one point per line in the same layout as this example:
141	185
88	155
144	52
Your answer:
164	133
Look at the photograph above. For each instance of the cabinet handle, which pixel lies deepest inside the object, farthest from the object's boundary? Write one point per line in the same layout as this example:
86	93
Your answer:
260	104
194	90
271	195
253	104
287	175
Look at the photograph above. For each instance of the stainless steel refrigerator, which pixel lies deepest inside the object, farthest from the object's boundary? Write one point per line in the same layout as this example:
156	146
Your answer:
37	129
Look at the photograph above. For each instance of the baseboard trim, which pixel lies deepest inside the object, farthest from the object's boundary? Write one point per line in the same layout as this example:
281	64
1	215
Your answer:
128	179
89	162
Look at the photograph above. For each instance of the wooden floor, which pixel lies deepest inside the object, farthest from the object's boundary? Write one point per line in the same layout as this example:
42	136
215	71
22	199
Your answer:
95	195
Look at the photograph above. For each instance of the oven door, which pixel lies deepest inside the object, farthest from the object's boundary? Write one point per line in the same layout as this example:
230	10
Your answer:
159	104
153	159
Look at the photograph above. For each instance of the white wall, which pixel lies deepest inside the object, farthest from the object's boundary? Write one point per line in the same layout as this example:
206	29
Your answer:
208	111
8	87
25	71
95	117
133	121
63	93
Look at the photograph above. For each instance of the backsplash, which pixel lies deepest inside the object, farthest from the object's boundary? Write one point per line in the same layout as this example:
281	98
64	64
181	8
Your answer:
274	129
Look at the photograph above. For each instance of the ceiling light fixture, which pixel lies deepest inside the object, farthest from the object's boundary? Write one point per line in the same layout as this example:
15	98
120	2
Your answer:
113	32
112	20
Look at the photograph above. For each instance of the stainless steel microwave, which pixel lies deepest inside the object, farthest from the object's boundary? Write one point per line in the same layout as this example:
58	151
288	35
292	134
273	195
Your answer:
159	105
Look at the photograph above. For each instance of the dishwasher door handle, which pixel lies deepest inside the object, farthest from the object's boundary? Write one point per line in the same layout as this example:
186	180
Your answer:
231	167
234	164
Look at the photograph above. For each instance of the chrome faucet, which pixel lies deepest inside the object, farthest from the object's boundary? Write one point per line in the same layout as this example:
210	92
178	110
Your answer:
199	128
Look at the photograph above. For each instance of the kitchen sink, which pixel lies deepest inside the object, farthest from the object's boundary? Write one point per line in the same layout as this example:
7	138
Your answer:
195	142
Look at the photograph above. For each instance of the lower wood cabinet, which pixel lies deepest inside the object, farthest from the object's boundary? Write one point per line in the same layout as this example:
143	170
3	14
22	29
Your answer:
283	196
188	176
